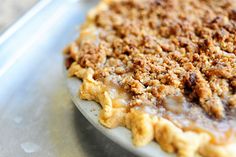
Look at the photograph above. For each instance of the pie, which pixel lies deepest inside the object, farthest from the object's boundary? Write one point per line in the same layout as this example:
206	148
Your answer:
165	69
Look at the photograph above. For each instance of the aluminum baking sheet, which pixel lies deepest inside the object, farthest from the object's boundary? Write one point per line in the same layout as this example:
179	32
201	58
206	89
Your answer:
37	116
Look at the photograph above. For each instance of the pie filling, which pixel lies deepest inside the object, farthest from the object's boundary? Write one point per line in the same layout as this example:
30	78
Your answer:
178	64
183	113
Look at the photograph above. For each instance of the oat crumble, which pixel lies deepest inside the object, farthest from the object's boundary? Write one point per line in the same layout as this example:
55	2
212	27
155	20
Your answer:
175	57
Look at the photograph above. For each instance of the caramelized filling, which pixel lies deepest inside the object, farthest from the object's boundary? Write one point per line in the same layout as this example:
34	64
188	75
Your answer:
186	115
120	98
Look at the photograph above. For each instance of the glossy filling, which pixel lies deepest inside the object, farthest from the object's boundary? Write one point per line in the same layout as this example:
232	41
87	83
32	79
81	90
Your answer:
184	114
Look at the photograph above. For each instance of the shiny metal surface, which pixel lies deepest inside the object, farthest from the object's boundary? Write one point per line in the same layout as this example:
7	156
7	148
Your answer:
37	116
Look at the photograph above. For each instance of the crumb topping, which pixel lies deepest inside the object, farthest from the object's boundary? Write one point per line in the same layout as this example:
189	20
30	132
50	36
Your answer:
161	49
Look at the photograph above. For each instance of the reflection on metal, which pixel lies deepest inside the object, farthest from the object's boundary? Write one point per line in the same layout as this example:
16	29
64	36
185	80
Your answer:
36	9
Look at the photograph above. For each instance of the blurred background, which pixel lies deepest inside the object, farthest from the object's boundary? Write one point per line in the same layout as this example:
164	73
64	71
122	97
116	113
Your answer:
11	10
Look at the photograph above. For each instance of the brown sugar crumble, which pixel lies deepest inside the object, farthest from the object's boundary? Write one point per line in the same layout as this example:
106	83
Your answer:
162	52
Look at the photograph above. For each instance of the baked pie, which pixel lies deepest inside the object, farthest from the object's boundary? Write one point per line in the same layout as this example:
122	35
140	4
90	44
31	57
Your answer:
165	69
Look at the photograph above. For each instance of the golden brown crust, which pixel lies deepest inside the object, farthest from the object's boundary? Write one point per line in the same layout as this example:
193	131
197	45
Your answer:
165	62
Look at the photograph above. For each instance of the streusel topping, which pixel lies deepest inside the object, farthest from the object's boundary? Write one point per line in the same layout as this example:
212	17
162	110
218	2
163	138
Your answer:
174	58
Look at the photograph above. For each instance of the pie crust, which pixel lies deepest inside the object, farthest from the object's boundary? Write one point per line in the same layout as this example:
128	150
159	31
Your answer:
195	72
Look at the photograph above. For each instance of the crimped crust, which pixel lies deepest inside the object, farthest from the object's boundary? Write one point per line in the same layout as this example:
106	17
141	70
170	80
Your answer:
152	64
